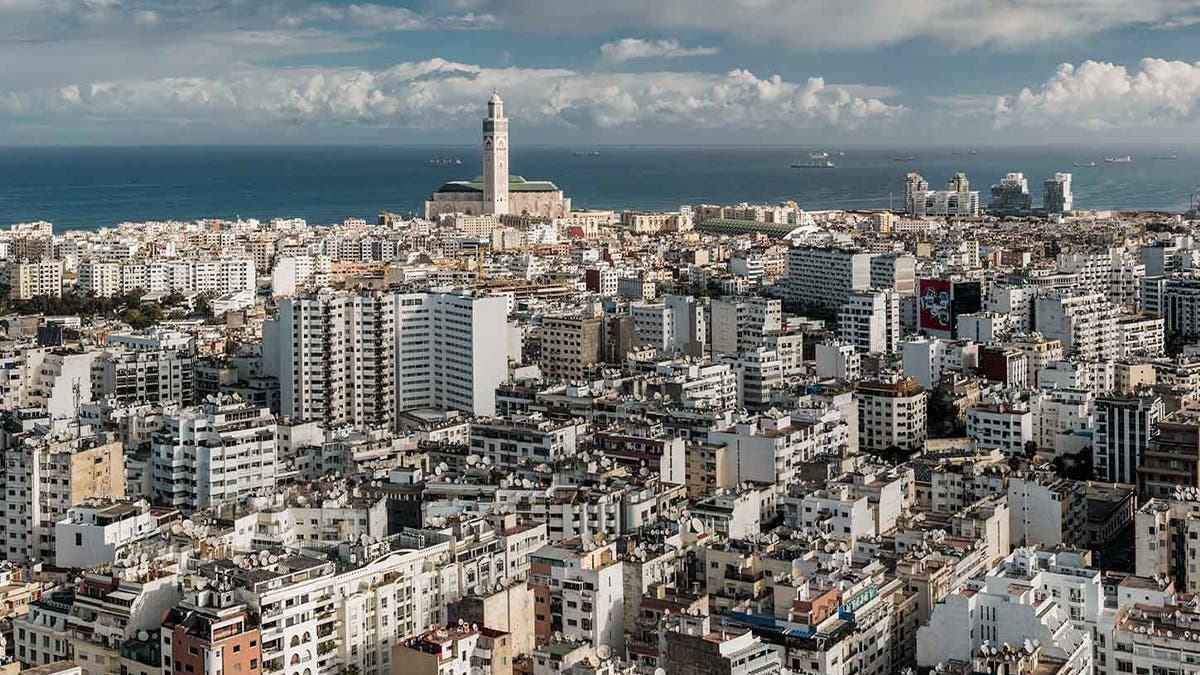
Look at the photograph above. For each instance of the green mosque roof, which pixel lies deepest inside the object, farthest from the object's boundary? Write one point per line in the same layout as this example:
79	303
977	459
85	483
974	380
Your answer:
515	184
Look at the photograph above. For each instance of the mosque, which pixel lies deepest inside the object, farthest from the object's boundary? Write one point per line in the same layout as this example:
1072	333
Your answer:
496	192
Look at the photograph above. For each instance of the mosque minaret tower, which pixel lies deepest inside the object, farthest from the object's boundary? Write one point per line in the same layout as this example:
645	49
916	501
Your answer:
497	192
495	158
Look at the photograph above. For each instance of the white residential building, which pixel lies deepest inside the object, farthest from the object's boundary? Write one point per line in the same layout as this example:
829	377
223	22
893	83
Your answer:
1004	426
362	357
1031	595
219	452
1085	323
870	320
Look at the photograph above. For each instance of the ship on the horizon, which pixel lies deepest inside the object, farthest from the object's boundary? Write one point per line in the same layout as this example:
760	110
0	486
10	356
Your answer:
903	159
814	165
819	154
586	153
1119	160
443	161
1085	164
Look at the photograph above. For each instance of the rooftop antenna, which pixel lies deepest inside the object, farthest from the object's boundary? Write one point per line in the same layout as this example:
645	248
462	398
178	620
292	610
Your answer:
78	408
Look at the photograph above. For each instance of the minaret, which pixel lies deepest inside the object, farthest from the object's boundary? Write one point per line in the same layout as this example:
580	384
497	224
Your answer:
495	158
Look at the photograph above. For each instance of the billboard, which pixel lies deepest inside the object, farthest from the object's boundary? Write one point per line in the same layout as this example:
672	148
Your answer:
967	298
934	305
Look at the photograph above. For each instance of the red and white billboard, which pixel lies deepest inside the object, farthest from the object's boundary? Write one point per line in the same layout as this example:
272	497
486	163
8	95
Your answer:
934	305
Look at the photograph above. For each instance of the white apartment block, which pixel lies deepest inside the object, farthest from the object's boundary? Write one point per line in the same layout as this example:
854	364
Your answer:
1016	302
1085	323
362	357
891	414
1140	336
825	277
326	619
870	320
1001	426
1167	540
294	272
739	324
334	354
759	373
1031	595
101	279
838	360
92	535
44	474
217	453
653	325
1180	302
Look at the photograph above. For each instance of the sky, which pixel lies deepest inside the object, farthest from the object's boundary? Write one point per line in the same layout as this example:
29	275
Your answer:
600	72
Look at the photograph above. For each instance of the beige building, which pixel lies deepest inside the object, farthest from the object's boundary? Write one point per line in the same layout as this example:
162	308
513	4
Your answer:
509	610
26	280
457	650
45	474
891	414
706	468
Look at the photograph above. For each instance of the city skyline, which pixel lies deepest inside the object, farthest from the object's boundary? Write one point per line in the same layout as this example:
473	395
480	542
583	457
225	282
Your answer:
286	72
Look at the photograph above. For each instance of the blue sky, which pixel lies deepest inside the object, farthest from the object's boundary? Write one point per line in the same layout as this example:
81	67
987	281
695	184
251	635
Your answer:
618	71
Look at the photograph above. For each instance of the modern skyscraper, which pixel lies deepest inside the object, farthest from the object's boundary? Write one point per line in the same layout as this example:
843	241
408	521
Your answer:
1056	194
915	187
1010	197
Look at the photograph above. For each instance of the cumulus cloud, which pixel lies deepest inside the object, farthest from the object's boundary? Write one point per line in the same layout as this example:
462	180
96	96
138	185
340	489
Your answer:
438	93
843	24
1098	95
627	49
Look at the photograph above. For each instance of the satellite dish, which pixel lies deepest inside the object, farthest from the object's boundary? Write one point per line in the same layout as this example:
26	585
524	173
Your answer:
604	652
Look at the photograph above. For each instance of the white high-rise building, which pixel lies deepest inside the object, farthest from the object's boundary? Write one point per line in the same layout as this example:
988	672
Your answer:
361	357
870	320
1056	194
451	351
495	158
825	277
334	354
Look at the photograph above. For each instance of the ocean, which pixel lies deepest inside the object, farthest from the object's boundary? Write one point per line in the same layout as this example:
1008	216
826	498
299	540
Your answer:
88	188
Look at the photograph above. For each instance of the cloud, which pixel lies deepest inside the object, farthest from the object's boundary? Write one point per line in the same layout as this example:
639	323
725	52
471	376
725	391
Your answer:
386	18
437	93
1097	95
627	49
847	24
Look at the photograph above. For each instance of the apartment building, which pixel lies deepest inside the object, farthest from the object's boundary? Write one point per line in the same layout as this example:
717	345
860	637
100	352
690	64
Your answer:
579	594
740	324
218	452
1085	324
1125	427
891	414
870	320
45	473
360	358
30	279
